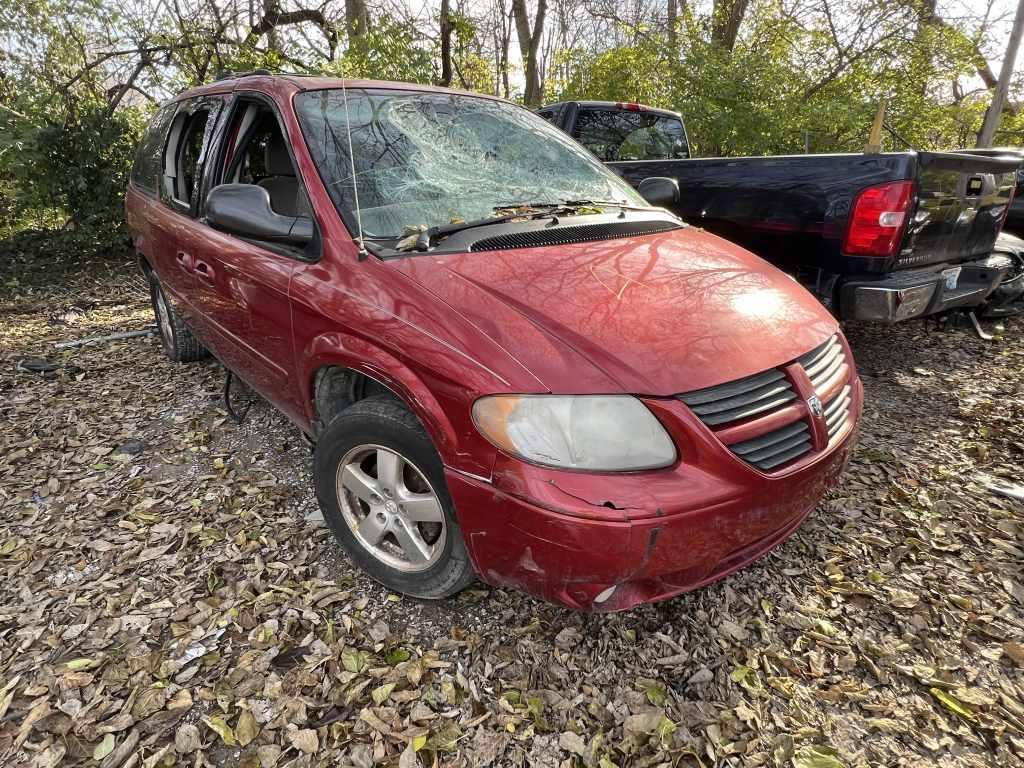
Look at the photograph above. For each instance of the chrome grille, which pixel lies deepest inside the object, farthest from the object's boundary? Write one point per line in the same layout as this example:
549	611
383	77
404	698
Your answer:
823	363
837	410
776	447
740	399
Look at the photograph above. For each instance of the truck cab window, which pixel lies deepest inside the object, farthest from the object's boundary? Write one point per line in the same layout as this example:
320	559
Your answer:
614	134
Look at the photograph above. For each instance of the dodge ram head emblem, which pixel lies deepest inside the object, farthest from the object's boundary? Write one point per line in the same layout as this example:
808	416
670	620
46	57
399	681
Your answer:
815	405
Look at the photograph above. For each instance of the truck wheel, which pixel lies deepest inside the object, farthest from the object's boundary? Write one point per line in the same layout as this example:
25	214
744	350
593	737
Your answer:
380	484
179	344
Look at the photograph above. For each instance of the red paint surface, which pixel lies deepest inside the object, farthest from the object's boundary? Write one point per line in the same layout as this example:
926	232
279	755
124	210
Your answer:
652	316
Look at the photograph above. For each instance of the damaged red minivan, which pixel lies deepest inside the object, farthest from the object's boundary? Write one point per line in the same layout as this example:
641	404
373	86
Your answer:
513	366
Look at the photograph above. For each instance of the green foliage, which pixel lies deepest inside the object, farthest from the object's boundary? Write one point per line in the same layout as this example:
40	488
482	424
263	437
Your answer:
640	72
391	49
66	152
795	81
84	162
474	73
783	88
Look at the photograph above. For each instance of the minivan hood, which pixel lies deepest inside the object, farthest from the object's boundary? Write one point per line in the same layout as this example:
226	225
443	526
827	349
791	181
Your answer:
656	314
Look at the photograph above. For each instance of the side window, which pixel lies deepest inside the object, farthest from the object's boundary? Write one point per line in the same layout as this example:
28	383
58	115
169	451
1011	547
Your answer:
547	114
186	151
258	154
629	135
146	169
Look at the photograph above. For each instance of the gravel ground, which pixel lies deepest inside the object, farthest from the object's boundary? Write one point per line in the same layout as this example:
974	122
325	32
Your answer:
170	596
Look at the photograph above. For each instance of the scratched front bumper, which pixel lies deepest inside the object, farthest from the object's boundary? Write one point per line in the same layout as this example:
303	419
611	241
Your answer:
609	542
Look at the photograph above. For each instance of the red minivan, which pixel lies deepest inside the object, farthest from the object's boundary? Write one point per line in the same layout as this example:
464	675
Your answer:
513	366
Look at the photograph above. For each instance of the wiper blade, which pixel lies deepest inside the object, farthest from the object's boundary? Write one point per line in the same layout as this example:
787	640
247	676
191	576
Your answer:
517	210
616	203
514	204
428	236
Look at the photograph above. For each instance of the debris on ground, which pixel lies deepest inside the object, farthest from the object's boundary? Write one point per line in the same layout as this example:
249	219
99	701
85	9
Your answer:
169	596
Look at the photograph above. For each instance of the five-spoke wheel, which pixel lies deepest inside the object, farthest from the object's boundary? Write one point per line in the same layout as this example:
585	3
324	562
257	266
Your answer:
381	486
391	508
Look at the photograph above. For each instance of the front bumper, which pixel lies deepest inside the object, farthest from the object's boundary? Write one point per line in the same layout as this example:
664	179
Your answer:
599	542
916	293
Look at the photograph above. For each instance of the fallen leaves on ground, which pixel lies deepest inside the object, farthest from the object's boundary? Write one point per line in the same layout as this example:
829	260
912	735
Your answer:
168	596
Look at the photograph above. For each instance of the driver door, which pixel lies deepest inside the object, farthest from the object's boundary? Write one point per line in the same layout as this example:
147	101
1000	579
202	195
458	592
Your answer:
242	284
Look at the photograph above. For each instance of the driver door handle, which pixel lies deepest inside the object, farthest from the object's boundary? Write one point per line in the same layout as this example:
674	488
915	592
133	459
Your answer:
203	270
184	260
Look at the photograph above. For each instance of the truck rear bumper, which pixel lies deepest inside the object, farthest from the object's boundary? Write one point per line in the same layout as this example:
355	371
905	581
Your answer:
904	295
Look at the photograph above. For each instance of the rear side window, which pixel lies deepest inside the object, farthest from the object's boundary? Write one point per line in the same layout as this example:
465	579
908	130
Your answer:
187	148
146	169
616	134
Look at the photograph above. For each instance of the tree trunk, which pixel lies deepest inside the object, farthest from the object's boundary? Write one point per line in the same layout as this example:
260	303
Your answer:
506	42
357	19
726	17
995	110
446	45
673	29
529	45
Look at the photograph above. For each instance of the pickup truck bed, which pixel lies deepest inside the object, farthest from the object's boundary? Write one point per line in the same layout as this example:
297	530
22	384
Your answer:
818	216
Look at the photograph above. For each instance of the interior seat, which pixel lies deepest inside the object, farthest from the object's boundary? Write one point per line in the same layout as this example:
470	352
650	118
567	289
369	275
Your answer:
286	195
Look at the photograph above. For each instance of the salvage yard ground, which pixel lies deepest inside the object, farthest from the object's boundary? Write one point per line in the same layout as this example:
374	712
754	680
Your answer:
168	596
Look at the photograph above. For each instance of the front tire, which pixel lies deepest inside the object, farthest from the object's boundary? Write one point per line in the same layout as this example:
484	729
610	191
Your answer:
179	343
380	484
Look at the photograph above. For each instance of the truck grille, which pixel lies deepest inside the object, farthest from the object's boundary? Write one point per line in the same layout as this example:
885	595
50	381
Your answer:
758	398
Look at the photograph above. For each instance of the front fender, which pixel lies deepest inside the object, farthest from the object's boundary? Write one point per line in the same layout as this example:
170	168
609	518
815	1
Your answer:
449	424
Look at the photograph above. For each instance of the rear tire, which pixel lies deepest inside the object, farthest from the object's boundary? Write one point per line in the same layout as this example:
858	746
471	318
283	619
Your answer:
179	343
401	527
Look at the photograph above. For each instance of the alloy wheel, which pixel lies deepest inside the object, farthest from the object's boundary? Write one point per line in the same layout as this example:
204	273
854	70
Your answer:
391	508
163	319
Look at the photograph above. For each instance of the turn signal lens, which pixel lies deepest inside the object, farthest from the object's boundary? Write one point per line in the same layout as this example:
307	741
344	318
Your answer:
879	219
610	433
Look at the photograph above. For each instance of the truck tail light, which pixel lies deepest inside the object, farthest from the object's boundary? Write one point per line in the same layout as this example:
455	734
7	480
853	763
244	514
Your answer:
878	219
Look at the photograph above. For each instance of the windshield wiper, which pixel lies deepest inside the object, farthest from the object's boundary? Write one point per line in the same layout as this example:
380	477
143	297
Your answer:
518	210
428	236
616	203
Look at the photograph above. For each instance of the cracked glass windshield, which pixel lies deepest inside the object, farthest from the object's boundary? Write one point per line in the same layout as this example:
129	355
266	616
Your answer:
429	159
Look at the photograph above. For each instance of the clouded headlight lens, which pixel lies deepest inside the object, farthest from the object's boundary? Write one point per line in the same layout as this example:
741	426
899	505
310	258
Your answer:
592	432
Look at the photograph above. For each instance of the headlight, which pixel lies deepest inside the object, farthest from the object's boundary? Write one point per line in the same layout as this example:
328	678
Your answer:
590	432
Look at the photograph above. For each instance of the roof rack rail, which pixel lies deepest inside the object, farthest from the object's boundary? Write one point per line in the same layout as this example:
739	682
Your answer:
228	75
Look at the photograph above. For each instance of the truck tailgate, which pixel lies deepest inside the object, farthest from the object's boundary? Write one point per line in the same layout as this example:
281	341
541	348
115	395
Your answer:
961	201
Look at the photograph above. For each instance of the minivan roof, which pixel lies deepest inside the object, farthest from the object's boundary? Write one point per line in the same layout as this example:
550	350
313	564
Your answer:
287	84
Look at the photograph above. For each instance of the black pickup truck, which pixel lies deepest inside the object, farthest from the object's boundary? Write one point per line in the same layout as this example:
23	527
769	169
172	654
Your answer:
885	236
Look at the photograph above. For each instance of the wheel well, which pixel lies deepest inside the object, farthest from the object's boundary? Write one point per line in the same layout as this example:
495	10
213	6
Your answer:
336	388
144	265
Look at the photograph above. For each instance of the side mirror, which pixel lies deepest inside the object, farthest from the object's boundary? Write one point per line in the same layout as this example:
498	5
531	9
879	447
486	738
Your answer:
659	190
244	210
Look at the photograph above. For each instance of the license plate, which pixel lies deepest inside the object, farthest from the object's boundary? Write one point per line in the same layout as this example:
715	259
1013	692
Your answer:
952	277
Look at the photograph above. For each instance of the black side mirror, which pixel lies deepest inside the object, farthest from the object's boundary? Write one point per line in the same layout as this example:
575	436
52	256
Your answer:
244	210
659	190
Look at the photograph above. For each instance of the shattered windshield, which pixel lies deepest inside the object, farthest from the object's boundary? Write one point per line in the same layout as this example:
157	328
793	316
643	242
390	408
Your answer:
427	159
